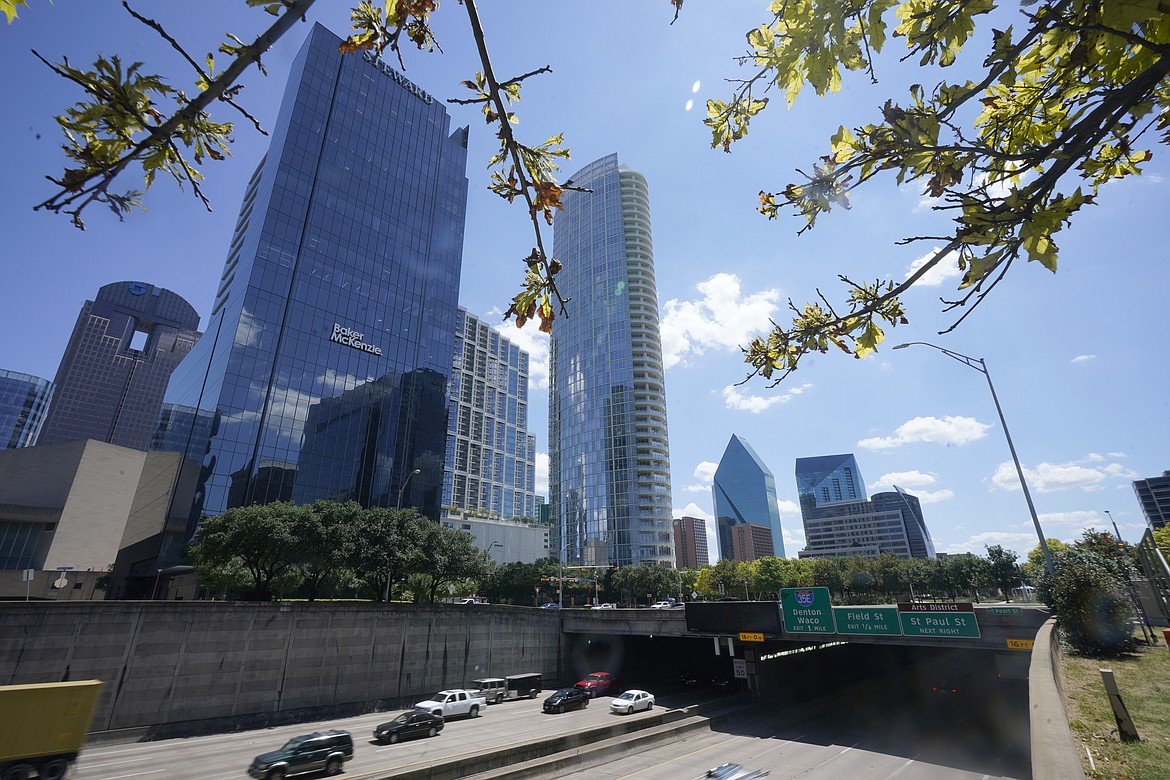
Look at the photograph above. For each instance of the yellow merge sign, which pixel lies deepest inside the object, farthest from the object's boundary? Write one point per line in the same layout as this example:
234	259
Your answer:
749	636
1020	644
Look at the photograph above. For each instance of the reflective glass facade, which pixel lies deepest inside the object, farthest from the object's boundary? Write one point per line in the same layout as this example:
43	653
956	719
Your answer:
24	400
827	479
115	369
744	491
491	457
1154	496
840	521
609	460
324	370
917	534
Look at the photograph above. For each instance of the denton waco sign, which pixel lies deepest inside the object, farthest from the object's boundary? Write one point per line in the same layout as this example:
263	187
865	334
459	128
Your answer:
351	338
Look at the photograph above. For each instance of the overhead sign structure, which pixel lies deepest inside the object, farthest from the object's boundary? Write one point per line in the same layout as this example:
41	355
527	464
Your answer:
807	611
868	621
944	620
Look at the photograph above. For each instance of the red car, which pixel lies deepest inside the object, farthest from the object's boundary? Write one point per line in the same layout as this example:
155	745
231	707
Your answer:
597	684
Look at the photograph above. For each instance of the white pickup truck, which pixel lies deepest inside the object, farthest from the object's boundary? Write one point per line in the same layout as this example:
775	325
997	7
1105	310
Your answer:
454	702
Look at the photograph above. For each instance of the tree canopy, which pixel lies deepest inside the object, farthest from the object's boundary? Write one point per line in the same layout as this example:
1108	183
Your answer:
1052	100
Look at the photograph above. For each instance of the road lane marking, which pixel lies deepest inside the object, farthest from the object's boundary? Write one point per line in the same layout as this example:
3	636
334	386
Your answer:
136	774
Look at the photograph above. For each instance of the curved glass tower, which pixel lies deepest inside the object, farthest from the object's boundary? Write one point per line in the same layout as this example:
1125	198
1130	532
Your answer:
609	460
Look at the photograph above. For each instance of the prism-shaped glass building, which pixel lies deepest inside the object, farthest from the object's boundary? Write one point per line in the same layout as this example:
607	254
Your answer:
744	492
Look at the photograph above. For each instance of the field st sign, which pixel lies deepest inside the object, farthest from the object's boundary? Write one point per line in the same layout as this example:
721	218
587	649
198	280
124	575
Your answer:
807	611
868	621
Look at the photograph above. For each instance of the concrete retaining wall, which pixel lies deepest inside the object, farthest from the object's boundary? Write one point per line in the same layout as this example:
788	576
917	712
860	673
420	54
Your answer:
174	668
1055	754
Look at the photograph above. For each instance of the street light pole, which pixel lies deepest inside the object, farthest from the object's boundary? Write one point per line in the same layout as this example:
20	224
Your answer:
405	483
401	490
979	365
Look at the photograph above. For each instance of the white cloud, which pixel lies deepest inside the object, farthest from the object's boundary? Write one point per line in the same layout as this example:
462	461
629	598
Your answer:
912	482
1022	543
793	540
1082	359
542	474
721	319
1077	520
904	479
950	431
788	508
746	402
531	340
705	473
946	269
1087	474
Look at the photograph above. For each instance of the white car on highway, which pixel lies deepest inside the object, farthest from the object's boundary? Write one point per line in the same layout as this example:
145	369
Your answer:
632	701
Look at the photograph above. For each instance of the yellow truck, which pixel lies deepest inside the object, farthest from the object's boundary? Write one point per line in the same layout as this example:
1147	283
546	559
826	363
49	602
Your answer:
42	727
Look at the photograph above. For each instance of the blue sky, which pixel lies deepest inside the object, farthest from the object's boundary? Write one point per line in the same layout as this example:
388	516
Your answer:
1078	358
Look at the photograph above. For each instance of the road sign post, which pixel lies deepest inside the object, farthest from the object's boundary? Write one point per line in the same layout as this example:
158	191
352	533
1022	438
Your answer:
807	611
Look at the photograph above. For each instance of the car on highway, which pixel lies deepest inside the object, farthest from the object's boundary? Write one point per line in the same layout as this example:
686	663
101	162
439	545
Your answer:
662	604
408	725
597	683
550	605
632	701
566	699
320	751
604	605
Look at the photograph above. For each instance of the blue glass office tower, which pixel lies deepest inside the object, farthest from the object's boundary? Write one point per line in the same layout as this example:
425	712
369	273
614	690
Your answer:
744	491
323	372
609	461
24	400
917	534
827	479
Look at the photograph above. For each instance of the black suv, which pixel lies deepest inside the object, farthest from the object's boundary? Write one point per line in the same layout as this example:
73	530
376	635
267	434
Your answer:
567	699
327	750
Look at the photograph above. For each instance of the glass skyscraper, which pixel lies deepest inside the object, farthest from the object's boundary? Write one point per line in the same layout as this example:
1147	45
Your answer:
1153	494
609	460
827	479
744	491
112	377
491	457
840	521
917	534
24	400
324	370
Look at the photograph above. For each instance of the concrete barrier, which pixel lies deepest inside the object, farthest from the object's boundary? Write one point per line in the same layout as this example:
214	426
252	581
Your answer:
1055	754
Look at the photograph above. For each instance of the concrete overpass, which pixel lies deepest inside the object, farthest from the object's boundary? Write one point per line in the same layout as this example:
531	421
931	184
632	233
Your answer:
756	632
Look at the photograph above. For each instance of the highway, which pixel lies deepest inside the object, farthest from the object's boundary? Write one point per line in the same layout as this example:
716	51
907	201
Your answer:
891	727
889	733
225	756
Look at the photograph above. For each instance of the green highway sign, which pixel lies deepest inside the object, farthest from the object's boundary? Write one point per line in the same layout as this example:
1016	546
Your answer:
807	611
944	625
1006	611
872	621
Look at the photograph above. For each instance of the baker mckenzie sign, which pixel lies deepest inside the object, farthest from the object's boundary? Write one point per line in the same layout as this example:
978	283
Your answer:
351	338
